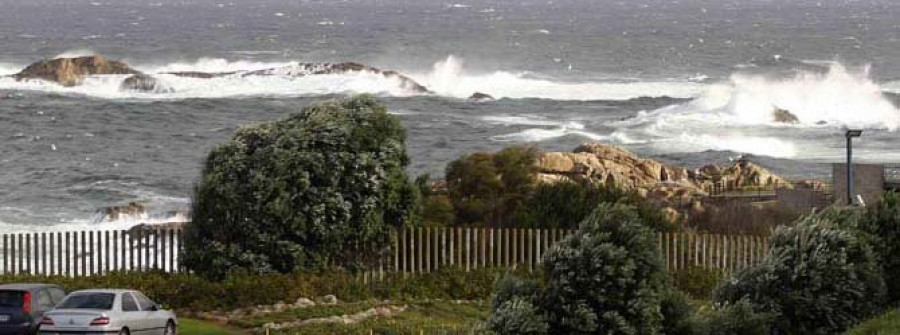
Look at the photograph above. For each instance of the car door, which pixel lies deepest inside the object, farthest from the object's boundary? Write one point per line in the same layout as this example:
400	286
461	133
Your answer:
132	315
155	320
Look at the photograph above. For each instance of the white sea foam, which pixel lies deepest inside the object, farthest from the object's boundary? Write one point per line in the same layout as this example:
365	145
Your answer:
448	78
737	115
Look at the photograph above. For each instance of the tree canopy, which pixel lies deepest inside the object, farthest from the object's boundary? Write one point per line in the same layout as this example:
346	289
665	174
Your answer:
310	191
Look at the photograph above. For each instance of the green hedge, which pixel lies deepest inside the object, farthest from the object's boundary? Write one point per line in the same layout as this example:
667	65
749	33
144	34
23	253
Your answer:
186	291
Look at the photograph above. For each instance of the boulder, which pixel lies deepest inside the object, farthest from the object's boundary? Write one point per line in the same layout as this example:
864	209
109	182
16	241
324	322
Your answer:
479	97
304	303
72	71
784	116
665	185
144	83
329	300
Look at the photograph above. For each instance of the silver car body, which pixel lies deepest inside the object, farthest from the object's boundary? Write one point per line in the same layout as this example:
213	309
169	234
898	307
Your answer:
123	316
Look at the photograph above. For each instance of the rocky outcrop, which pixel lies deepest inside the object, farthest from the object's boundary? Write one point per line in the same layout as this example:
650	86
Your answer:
313	69
609	164
72	71
666	185
480	97
144	83
743	173
784	116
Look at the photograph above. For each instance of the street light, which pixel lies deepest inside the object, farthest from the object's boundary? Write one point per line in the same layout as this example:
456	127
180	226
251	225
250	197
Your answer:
851	133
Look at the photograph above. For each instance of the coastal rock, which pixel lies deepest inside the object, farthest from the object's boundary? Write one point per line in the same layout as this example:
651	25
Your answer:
665	185
481	97
784	116
312	69
144	83
72	71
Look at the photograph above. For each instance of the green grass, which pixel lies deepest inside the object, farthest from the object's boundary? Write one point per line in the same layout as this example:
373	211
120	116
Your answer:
886	324
432	317
196	327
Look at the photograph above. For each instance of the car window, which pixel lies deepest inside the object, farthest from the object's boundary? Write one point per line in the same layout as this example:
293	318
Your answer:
57	295
143	301
88	301
128	304
44	301
14	299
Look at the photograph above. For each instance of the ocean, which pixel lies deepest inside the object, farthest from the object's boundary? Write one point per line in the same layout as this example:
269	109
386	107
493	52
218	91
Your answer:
689	82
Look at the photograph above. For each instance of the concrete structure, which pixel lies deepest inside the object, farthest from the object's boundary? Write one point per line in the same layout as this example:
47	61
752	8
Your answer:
804	199
868	182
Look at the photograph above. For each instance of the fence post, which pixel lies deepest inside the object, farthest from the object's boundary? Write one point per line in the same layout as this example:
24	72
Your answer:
5	254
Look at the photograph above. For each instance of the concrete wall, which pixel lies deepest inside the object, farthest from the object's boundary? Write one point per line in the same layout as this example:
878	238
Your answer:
868	181
802	200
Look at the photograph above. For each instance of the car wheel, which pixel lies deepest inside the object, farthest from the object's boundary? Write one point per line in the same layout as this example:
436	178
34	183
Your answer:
171	329
124	331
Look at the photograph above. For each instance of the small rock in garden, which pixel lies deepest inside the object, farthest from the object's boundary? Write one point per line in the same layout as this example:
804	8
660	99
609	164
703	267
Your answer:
304	303
383	311
329	299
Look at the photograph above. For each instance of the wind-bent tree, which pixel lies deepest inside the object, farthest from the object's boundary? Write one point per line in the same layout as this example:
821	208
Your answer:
317	189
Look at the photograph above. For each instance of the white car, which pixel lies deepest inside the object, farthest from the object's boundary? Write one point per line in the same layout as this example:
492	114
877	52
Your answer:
123	312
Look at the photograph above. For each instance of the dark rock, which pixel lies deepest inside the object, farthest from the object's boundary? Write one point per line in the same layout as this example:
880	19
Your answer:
784	116
144	83
72	71
478	96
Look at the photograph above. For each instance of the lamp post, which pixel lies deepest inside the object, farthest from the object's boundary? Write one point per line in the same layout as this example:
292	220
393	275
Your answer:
851	133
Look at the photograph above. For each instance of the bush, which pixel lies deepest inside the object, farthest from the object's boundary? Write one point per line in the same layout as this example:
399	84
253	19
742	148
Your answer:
607	277
307	192
738	318
817	278
677	314
698	282
565	204
518	316
489	189
882	223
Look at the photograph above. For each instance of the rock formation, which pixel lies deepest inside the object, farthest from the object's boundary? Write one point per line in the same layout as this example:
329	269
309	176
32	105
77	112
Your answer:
784	116
144	83
665	185
72	71
479	97
312	69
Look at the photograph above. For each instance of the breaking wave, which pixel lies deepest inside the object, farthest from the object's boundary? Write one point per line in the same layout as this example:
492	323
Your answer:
448	78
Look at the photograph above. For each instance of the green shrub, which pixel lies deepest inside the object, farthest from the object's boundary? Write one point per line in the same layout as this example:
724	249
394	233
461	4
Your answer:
882	223
311	191
738	318
490	189
518	316
698	282
677	314
607	277
565	204
817	278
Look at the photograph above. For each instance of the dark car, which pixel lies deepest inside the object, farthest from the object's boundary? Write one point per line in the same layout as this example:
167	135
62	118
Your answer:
23	305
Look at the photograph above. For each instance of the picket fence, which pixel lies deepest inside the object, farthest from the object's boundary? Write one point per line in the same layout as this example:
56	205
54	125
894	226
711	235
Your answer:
415	250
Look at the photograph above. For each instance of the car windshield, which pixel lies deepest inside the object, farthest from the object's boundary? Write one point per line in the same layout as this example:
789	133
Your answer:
88	301
11	299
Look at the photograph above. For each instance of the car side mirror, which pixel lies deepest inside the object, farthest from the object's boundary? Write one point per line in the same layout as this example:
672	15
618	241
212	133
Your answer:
154	308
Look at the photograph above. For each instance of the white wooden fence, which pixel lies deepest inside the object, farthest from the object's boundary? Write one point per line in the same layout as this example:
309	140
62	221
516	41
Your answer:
415	250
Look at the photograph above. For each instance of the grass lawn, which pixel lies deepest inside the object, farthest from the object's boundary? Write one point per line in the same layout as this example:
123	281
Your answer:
422	317
889	323
196	327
